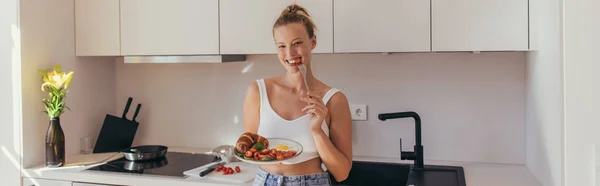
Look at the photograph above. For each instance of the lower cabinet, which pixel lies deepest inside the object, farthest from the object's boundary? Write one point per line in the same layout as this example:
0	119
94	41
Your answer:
47	182
44	182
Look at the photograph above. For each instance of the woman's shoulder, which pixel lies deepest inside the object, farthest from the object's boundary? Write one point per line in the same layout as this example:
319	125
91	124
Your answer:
254	86
337	96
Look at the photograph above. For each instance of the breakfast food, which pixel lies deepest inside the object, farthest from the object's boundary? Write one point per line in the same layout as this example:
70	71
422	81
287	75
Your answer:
228	170
249	140
256	147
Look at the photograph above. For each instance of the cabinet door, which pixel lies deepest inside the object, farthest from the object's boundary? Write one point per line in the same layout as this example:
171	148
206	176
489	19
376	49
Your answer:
246	26
479	25
97	28
169	27
381	26
88	184
44	182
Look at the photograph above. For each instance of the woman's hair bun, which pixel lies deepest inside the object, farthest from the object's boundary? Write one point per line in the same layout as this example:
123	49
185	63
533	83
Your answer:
295	13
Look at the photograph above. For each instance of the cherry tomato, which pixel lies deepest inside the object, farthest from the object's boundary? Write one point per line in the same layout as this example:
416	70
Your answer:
219	169
237	169
279	157
253	149
265	152
249	154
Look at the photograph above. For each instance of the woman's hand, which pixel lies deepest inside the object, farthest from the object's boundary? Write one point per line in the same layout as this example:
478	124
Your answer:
316	108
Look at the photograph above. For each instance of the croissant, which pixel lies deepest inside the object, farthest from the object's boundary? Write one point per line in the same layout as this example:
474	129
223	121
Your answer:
248	139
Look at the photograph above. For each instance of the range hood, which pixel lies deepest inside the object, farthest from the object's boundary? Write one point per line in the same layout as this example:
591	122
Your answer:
185	59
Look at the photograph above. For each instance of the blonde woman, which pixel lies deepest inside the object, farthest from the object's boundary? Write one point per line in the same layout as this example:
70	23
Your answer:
281	106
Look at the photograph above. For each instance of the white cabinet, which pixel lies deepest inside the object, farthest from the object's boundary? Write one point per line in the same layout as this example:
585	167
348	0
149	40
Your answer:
381	26
479	25
97	28
88	184
44	182
169	27
246	26
196	27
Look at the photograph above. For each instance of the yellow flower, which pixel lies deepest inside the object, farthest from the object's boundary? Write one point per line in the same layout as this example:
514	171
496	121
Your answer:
56	78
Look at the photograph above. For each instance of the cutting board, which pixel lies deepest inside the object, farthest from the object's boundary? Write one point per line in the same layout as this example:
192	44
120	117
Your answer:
247	174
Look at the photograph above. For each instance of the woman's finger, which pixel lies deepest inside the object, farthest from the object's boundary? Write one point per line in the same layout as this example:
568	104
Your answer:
315	112
313	101
319	111
313	94
320	108
310	107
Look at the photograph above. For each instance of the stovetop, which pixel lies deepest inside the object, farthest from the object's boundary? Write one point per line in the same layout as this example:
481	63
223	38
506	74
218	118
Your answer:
173	164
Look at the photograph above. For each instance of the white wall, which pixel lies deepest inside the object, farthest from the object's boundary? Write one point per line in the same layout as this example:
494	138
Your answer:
582	89
10	64
545	93
472	105
48	39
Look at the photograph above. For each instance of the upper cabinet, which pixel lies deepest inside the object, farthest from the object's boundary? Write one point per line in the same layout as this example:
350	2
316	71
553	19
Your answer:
381	26
479	25
97	28
169	27
246	26
199	27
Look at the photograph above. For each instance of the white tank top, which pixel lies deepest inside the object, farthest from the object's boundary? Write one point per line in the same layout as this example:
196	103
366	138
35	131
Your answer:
272	125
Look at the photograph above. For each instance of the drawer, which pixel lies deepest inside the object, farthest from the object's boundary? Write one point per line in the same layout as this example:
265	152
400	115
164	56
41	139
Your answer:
44	182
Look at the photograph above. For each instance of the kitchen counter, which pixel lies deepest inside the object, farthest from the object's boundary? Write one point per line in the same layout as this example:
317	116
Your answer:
485	174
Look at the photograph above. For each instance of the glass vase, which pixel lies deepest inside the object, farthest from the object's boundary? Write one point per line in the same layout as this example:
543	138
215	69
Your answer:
55	144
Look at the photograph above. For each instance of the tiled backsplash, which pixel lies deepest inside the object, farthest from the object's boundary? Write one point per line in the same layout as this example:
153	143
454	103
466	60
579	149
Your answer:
472	105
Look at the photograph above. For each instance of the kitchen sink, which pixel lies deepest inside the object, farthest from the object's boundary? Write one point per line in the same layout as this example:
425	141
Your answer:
390	174
376	173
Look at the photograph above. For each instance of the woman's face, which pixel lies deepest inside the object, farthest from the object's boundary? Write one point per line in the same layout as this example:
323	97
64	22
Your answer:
293	46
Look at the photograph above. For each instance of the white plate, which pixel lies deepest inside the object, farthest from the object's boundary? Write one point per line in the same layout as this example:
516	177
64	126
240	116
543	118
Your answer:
274	142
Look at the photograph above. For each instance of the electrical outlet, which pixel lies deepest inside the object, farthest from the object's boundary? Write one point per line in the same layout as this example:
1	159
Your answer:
358	112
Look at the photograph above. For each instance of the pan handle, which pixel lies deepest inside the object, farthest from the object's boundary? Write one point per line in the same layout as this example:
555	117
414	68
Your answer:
127	107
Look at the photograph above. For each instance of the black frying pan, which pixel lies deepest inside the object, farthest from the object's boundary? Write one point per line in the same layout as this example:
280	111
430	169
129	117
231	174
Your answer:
145	152
140	166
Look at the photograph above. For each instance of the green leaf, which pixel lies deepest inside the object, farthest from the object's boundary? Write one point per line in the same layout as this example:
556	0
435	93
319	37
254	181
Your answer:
268	158
258	146
56	68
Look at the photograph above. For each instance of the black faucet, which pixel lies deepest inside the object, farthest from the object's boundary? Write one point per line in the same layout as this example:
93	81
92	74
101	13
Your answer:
417	155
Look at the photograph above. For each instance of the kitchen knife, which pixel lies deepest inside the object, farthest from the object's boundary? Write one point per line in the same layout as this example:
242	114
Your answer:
137	111
211	168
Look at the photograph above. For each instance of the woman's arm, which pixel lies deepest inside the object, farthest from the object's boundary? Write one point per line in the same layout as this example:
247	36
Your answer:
252	108
336	150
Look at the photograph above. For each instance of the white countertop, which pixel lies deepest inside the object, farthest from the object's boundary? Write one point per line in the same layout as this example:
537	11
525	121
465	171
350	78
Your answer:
476	174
